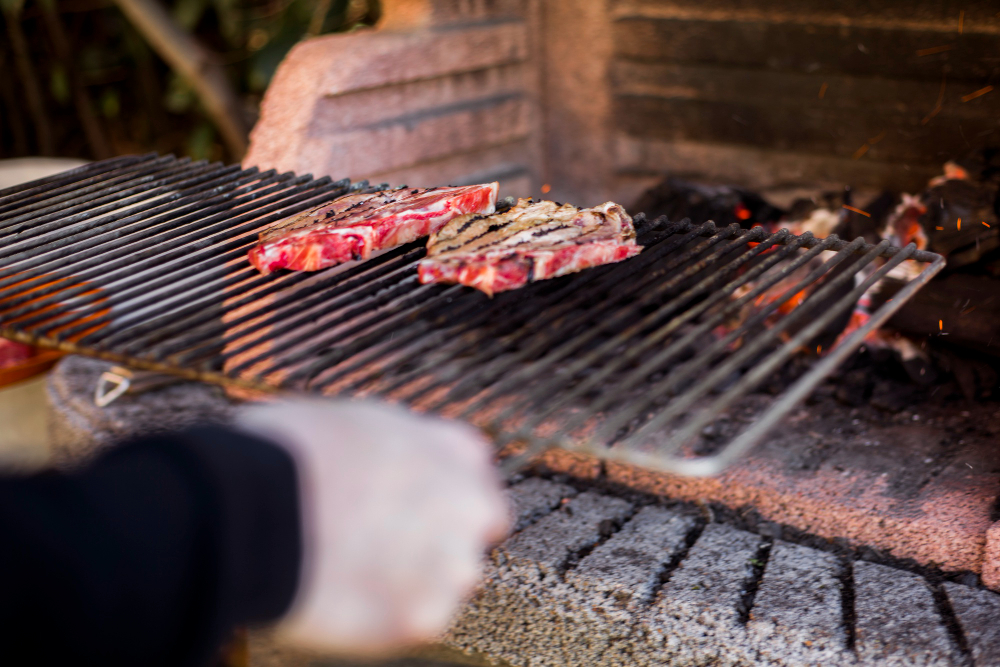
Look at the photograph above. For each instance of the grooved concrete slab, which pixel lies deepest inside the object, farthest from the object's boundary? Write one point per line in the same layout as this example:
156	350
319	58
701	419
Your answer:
615	582
798	611
978	613
547	546
514	616
695	619
607	611
897	620
534	498
626	569
709	585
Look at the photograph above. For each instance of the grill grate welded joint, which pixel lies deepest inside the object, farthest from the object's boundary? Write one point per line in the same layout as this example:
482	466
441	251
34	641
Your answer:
142	261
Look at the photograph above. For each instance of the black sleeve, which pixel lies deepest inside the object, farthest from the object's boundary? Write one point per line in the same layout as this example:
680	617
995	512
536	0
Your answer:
149	556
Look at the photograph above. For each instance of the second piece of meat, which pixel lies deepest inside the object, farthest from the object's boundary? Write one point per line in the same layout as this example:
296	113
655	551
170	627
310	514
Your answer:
531	241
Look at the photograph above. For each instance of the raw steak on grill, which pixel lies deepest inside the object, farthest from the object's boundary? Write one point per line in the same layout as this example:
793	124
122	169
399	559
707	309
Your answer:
531	241
354	226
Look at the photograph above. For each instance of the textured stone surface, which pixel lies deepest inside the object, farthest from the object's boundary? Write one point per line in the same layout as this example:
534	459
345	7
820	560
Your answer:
709	584
897	620
626	569
991	557
534	498
798	607
978	614
440	93
613	585
918	493
548	545
696	617
606	610
78	428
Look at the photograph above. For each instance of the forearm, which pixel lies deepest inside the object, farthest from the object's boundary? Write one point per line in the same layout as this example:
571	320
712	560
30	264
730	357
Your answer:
151	554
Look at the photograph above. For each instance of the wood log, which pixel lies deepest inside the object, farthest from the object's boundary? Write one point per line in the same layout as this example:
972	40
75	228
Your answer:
960	309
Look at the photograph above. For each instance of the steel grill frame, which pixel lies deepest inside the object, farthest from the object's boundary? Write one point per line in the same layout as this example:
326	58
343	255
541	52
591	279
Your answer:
141	260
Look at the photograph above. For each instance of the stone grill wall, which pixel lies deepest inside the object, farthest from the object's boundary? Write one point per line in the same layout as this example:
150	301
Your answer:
443	93
599	98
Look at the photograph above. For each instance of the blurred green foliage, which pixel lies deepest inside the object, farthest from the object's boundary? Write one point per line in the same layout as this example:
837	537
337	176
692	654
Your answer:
138	102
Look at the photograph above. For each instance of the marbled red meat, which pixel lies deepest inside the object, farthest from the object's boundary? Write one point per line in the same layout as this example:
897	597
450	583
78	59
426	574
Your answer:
531	241
354	226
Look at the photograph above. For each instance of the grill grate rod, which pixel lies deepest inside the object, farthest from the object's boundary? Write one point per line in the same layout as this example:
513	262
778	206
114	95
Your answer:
545	309
49	190
612	315
142	261
674	350
205	252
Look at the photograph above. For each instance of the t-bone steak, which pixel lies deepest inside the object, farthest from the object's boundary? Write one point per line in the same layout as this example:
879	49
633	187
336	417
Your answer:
354	226
531	241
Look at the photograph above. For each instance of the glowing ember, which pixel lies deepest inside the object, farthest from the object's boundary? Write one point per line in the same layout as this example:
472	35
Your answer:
978	93
935	50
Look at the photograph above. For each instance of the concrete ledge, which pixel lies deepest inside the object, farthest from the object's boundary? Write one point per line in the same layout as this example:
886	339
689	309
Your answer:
574	588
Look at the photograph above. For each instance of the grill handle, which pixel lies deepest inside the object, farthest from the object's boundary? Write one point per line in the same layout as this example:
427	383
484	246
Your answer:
119	380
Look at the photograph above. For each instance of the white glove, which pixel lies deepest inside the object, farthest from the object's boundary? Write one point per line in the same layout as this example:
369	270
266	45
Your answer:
398	509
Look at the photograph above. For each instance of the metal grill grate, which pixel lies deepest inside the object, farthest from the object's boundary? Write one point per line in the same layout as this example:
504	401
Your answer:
142	260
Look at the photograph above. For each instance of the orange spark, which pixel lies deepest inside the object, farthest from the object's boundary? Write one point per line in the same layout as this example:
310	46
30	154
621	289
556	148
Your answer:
546	189
959	223
940	325
819	349
937	106
877	138
822	90
858	211
978	93
939	228
935	49
961	21
986	223
861	151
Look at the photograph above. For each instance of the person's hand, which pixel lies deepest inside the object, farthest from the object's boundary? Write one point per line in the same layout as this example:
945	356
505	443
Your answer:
398	509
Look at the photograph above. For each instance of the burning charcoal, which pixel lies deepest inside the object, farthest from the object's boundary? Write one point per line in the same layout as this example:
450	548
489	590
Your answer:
821	393
920	370
965	307
853	224
679	199
957	209
855	388
891	397
975	377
